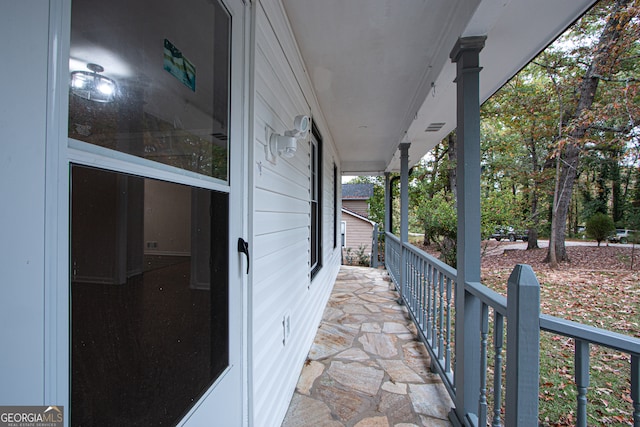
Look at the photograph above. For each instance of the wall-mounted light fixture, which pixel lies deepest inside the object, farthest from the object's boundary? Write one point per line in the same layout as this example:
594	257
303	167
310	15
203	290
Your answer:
286	145
93	86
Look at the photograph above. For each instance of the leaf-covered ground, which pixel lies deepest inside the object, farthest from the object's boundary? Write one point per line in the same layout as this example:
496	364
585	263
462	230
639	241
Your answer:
597	287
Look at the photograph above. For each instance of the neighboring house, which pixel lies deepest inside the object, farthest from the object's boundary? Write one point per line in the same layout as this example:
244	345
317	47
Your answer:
170	217
357	233
356	229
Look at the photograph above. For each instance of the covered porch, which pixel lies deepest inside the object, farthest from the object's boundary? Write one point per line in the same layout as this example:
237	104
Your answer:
367	366
462	323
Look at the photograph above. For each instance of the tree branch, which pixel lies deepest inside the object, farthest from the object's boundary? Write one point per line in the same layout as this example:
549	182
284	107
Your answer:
609	79
625	129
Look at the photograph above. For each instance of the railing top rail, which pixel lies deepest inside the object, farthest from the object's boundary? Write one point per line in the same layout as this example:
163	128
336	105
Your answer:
488	296
498	302
603	337
392	236
441	266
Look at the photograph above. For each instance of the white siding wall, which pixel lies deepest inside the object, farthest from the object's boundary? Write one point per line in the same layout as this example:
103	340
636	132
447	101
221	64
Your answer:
24	26
281	282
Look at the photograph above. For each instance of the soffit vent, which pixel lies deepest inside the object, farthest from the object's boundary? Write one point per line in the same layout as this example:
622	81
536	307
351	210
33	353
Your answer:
434	127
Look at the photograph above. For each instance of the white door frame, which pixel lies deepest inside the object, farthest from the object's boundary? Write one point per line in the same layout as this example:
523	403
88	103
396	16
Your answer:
61	152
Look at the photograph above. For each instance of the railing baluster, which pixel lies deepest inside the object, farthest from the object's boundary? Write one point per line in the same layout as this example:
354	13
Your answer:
420	314
582	380
416	283
407	260
484	333
396	263
447	363
423	307
409	276
416	291
635	388
434	319
409	270
428	297
441	317
498	343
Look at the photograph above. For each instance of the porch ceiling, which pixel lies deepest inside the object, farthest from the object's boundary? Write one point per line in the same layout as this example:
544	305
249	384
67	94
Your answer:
381	68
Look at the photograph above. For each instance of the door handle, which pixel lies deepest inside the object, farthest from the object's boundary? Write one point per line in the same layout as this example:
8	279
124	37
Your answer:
243	247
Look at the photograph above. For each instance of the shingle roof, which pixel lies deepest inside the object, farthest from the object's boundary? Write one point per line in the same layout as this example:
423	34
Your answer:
357	191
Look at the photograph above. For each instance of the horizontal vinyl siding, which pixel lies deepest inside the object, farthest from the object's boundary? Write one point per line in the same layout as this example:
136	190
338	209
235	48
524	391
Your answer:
25	346
360	207
281	213
359	233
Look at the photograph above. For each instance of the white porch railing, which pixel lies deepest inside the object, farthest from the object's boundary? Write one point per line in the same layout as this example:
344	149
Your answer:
427	287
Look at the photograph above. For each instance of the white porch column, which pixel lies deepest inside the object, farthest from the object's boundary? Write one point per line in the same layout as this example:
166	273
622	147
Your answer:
387	202
467	334
404	210
404	191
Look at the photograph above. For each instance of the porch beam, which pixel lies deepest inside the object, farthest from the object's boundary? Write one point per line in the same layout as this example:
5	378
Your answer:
466	54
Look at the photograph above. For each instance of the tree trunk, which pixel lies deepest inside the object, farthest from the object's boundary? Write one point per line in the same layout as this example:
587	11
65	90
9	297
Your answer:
551	253
616	191
532	239
606	55
532	234
453	160
567	175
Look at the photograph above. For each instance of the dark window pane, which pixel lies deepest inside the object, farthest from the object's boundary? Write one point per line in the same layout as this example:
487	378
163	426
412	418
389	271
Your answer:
335	206
316	200
151	79
149	295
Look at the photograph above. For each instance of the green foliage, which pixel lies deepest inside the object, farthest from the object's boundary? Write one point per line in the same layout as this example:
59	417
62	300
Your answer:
591	205
526	123
357	257
502	209
440	223
599	227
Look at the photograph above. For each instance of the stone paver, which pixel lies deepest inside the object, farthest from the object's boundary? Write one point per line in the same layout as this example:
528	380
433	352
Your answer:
366	368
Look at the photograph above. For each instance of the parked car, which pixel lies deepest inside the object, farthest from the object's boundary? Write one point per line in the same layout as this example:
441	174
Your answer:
622	235
510	233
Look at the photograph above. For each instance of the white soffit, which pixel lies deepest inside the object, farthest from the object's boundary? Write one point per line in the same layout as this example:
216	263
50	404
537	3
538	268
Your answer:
372	64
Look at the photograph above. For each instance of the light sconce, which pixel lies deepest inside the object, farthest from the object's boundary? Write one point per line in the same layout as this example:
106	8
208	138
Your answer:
93	86
286	145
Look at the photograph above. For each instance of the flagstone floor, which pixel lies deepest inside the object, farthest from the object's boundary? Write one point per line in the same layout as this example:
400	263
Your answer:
366	367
